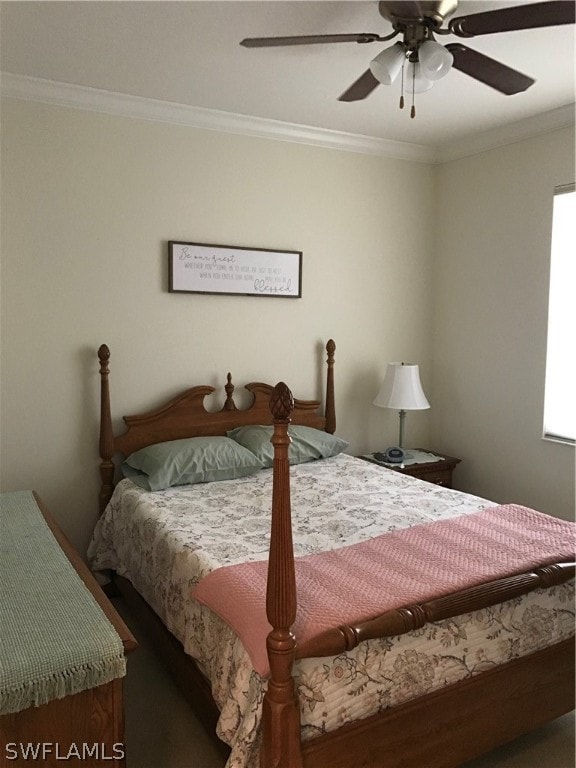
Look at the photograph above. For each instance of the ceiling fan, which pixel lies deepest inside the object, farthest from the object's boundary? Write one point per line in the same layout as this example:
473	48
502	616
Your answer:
422	60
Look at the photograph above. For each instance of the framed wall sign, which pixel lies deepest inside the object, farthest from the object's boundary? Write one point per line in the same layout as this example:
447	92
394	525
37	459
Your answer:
203	268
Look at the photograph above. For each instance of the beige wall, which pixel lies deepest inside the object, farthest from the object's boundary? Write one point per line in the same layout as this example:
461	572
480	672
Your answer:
491	303
445	266
89	202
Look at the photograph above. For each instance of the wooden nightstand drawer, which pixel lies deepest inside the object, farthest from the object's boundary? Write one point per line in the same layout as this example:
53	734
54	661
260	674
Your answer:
437	476
438	472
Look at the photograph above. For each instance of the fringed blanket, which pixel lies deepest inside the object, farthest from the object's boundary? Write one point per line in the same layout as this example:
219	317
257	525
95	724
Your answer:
395	570
54	638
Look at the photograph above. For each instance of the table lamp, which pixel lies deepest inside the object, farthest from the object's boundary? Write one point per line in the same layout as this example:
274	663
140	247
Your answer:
402	390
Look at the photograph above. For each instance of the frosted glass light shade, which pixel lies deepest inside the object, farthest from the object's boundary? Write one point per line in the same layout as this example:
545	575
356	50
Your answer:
401	389
387	65
413	79
435	60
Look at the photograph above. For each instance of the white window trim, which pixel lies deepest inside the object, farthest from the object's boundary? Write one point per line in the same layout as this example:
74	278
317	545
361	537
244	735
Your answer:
547	435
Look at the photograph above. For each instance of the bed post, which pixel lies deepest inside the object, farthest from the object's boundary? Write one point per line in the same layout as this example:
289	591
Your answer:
106	433
281	715
330	404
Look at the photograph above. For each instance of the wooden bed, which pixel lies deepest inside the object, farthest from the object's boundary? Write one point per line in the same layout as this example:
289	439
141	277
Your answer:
444	728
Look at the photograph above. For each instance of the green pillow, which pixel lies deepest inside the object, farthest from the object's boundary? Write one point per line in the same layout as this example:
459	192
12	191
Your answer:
192	460
307	443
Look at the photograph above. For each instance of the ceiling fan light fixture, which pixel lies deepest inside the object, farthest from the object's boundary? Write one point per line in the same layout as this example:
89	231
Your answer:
418	22
435	60
387	65
414	80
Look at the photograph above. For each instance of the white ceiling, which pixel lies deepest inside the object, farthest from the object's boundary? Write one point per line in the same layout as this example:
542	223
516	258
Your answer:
188	53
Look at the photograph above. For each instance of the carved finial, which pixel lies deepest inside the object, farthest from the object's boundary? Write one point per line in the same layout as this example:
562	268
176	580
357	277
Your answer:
330	347
104	358
281	402
229	405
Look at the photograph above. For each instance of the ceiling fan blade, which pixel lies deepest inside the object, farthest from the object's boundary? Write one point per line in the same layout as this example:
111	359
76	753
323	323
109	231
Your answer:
530	16
363	87
266	42
488	71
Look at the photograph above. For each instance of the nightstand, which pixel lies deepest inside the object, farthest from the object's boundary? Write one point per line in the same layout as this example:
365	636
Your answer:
434	468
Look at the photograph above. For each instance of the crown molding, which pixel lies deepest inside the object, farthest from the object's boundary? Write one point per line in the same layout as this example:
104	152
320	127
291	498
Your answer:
125	105
555	119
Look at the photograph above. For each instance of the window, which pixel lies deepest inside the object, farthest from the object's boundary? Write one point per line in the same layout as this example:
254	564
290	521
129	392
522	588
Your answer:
560	402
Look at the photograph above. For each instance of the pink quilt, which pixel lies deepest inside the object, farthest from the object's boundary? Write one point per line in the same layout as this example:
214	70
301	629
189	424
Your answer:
394	570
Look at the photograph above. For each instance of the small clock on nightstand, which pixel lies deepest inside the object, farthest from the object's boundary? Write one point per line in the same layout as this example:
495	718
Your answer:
432	467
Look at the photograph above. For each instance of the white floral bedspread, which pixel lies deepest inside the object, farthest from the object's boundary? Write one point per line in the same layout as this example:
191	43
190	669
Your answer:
165	542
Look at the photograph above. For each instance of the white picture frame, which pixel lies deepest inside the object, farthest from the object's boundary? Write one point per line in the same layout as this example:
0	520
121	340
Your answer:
234	270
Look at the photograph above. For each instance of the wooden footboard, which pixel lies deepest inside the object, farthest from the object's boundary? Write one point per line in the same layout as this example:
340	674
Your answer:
485	711
442	729
462	721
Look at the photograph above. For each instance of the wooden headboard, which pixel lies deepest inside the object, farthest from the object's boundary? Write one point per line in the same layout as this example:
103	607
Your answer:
185	416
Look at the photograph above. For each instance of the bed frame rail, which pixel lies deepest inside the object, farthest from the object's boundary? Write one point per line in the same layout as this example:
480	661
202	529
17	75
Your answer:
402	620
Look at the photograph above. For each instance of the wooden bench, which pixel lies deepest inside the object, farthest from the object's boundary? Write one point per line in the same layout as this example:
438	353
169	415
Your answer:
89	723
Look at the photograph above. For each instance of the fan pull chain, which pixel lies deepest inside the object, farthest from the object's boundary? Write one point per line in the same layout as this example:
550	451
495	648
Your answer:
413	110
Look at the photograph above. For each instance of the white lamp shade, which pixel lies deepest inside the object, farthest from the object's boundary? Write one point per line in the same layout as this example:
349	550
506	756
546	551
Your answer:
413	79
435	60
402	389
387	65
